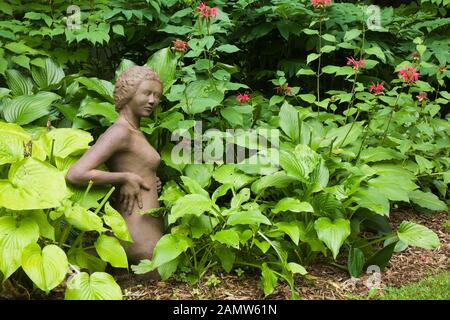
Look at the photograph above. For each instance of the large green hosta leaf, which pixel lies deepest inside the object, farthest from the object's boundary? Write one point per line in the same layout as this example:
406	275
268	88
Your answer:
14	237
427	200
95	107
67	142
32	184
83	219
118	225
12	141
201	96
191	204
227	174
289	121
164	63
98	286
333	233
46	268
18	83
169	247
49	74
299	163
372	199
277	180
27	108
414	234
110	249
102	87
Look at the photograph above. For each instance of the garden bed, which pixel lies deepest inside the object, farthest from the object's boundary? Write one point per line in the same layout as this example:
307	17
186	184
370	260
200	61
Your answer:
322	282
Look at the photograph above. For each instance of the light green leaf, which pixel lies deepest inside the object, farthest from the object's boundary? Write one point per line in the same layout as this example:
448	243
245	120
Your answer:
25	109
98	286
380	154
227	174
46	268
417	235
332	233
45	228
94	107
118	225
311	57
169	247
83	219
228	237
289	121
110	250
164	63
296	268
68	142
191	204
102	87
12	141
427	200
277	180
14	237
351	34
268	279
193	187
32	184
228	48
310	98
251	217
118	29
372	199
292	204
299	163
22	61
82	259
291	229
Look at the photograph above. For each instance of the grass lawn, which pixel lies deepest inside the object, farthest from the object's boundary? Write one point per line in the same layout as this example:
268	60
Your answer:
432	288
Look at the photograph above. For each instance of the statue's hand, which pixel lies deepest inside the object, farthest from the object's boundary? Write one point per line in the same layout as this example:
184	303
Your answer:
130	192
158	184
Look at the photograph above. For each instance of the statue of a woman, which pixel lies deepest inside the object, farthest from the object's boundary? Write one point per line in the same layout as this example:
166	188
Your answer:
132	161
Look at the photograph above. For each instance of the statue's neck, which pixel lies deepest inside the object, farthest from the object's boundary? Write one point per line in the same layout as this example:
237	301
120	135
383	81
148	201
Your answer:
133	119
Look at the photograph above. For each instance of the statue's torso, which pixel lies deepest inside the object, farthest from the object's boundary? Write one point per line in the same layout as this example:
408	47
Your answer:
140	158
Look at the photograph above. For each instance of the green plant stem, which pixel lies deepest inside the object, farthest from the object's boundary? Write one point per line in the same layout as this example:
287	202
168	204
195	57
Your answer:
351	127
104	200
391	115
320	62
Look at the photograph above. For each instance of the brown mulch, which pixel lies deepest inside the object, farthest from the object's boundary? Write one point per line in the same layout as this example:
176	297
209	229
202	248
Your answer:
322	282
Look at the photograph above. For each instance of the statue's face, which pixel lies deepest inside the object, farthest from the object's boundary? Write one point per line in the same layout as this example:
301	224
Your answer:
146	98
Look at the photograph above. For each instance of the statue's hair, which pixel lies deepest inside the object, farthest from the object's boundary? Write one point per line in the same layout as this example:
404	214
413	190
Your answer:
129	81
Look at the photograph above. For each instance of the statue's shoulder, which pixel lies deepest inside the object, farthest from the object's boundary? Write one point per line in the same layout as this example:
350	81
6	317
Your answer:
117	132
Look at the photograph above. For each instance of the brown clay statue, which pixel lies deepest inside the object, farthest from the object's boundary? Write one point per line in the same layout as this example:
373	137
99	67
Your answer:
132	161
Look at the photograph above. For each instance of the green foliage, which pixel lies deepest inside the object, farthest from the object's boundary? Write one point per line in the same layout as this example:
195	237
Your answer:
346	153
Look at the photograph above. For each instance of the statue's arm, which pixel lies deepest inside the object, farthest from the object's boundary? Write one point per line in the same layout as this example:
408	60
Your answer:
85	169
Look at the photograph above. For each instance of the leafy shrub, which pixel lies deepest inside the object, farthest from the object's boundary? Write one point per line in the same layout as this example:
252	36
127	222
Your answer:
356	135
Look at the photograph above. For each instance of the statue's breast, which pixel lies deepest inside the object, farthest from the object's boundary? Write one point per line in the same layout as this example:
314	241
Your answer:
143	153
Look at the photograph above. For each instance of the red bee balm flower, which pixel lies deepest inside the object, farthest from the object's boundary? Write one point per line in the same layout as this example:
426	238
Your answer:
377	88
206	11
410	75
179	45
422	96
356	63
243	97
320	3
